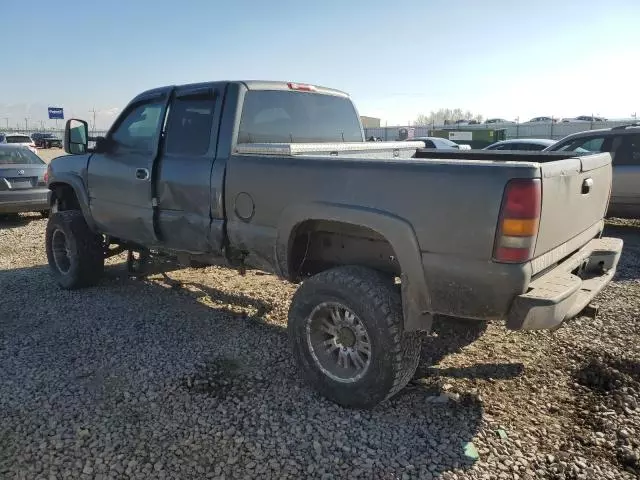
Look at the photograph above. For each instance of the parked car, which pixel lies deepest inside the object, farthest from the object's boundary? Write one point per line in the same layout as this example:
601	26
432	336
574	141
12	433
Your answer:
277	176
23	181
543	120
623	143
436	142
583	119
18	139
466	122
46	140
526	144
498	120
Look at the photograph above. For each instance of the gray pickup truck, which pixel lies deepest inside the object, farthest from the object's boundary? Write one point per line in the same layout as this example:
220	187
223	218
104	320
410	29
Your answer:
381	236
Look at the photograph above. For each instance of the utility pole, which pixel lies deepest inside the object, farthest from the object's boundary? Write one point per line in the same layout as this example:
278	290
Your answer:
26	124
93	128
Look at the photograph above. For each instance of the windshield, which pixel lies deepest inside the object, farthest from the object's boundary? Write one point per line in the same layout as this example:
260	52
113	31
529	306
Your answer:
19	156
19	139
275	116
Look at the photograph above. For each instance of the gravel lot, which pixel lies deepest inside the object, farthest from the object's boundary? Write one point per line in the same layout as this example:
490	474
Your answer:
190	376
47	154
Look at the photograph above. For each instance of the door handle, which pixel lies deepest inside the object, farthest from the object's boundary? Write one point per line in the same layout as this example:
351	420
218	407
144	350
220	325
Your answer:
142	173
587	185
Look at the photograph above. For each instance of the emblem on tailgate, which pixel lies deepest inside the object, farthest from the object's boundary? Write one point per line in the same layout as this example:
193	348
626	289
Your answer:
20	172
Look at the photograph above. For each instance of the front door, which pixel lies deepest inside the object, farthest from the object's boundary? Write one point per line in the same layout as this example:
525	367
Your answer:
184	169
120	178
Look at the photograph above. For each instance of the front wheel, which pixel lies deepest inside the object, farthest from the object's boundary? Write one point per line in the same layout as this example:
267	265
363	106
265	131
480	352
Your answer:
346	330
74	252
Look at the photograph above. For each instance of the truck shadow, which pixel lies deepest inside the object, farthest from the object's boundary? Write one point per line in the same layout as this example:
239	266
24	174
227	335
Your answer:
14	220
137	353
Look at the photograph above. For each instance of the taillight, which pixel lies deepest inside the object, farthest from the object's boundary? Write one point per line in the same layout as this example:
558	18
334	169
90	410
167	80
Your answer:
302	87
519	221
46	176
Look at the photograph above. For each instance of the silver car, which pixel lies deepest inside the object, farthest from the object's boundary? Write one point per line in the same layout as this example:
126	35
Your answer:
623	143
23	181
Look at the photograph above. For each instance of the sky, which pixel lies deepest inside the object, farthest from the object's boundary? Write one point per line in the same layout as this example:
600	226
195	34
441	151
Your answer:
498	58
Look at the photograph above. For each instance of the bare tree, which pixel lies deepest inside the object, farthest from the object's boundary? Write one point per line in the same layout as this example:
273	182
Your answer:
446	115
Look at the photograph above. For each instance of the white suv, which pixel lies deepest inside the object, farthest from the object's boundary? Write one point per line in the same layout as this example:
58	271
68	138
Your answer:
19	139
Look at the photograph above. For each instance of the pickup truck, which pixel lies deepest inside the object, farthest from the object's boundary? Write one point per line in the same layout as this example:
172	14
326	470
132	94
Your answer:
382	236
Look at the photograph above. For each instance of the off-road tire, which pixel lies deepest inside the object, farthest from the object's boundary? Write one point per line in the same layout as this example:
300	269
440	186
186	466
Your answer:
376	301
85	250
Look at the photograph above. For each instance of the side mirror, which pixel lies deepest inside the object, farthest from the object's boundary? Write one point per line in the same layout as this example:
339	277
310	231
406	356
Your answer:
76	136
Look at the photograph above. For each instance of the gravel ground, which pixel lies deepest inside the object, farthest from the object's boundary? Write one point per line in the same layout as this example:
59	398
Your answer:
190	376
48	154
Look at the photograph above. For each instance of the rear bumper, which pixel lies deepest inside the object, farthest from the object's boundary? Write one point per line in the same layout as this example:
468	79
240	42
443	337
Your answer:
563	292
23	201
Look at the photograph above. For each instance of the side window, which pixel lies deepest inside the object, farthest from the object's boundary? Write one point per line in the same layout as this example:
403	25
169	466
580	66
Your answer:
429	144
533	147
139	129
592	144
628	153
189	125
504	146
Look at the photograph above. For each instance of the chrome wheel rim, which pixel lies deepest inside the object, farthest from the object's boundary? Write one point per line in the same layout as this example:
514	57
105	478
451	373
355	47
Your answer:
60	250
339	342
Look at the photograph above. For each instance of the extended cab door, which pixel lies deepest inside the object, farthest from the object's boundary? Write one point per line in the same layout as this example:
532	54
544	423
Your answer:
184	169
120	175
625	195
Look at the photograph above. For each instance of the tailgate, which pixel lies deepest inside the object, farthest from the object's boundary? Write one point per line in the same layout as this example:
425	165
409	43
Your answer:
575	195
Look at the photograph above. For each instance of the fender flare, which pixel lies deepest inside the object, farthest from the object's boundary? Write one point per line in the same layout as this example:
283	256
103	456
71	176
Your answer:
416	301
77	185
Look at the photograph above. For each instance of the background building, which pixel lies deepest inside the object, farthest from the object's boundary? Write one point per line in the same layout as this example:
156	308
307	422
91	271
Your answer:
370	122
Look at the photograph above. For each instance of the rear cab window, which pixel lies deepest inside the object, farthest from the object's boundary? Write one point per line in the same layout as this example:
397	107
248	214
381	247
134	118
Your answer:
281	116
18	139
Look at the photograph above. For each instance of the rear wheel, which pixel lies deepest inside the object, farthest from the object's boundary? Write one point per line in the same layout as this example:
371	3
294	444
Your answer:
74	252
346	330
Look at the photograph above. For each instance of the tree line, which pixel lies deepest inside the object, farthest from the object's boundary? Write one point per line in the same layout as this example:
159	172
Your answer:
445	116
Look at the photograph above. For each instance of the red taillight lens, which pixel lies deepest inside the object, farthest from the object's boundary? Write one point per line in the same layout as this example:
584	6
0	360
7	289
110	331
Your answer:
46	176
301	87
519	221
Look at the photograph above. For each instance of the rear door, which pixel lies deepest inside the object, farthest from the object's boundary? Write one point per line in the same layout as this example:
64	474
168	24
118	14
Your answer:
625	195
575	194
119	179
184	169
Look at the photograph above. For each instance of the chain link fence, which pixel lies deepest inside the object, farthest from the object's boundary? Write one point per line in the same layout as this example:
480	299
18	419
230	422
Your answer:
554	131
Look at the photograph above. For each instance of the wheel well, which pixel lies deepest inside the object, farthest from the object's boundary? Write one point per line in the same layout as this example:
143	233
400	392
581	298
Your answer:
65	196
318	245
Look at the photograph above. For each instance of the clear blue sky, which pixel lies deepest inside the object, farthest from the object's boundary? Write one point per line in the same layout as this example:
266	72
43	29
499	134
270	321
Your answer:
398	59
